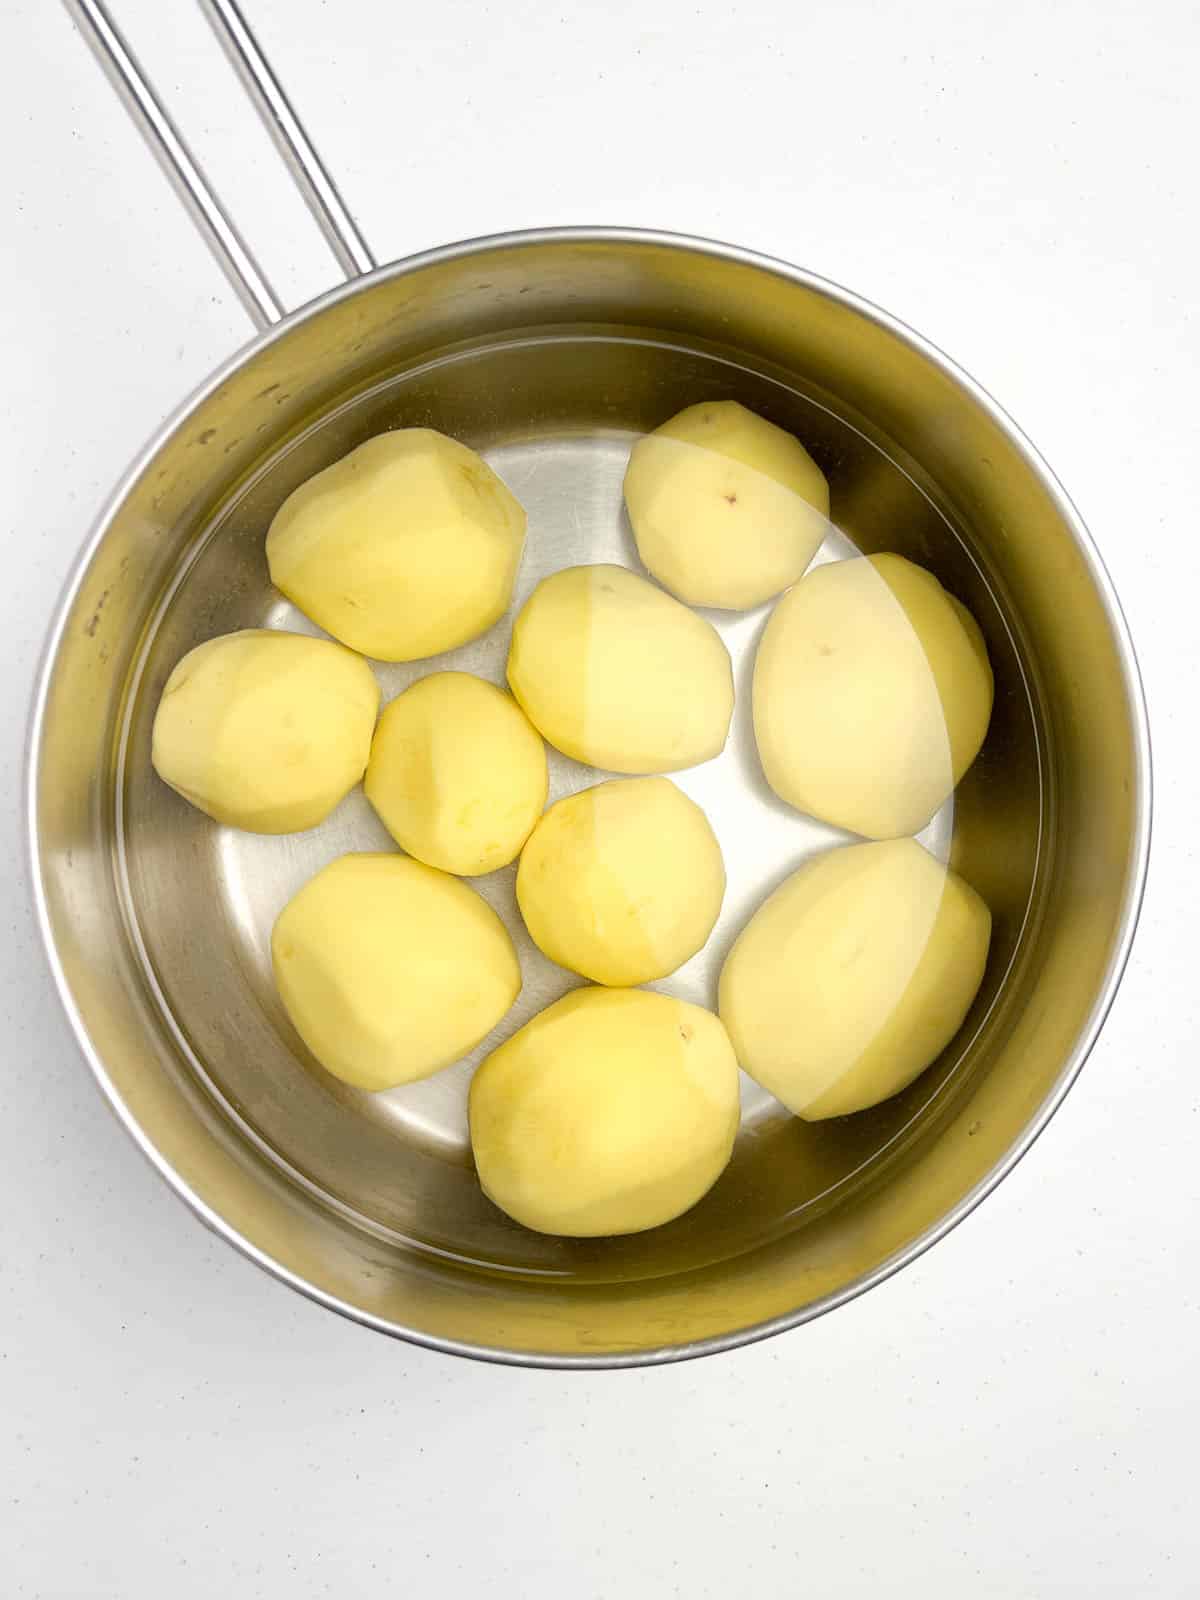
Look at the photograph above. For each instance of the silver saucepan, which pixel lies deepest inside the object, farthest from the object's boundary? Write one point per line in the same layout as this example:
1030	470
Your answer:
550	351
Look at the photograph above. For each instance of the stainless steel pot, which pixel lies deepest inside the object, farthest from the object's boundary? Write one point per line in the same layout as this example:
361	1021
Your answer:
550	350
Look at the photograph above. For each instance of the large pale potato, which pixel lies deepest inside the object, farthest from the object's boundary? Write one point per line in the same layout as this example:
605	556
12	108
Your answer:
406	547
853	976
610	1112
265	731
390	969
872	695
457	773
623	881
727	509
615	673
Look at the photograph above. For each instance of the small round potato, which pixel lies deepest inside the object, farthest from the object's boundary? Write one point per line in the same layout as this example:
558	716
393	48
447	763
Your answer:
623	881
854	976
727	509
406	547
457	773
872	695
615	673
265	731
390	970
612	1111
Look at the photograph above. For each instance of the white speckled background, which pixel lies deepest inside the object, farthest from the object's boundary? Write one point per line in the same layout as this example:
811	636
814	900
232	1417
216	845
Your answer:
1014	1416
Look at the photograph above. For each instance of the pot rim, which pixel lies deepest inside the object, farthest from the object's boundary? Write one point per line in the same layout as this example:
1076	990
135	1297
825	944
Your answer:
1140	842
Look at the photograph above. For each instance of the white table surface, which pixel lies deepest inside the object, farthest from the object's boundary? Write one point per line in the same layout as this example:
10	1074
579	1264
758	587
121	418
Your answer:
1013	1416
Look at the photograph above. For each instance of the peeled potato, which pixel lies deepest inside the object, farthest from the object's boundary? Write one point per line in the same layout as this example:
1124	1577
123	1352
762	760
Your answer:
611	1111
622	882
853	976
265	731
406	547
727	509
615	673
872	695
390	969
457	774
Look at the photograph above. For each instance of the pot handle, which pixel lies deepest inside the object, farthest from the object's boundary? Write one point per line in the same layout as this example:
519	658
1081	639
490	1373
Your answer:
220	232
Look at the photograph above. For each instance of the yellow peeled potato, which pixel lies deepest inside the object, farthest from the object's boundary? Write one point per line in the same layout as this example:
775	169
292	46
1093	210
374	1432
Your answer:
457	773
406	547
612	1111
615	673
390	969
854	976
727	509
265	731
623	881
872	695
